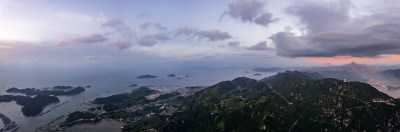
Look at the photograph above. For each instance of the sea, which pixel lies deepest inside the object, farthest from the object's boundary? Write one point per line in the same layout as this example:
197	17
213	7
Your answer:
102	84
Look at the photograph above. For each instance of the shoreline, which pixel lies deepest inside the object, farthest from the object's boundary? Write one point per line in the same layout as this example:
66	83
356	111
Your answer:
105	125
8	124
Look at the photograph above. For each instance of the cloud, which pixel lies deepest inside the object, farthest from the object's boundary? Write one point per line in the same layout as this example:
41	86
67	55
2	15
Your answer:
115	24
62	42
84	39
234	44
210	35
90	38
331	32
265	19
152	39
119	27
147	25
251	11
124	34
213	35
98	59
75	17
260	46
120	44
186	31
321	16
159	26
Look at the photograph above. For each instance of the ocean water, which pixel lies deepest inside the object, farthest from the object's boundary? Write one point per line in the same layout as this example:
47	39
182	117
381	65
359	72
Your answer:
102	84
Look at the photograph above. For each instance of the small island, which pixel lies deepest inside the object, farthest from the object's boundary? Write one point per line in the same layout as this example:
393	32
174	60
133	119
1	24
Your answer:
56	91
171	75
31	106
146	76
62	87
257	74
133	85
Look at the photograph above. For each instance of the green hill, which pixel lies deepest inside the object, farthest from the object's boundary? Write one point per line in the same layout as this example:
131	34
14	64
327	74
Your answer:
289	101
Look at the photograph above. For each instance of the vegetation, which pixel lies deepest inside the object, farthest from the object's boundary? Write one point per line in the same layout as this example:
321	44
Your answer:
289	101
120	101
57	91
171	75
31	106
168	95
62	87
146	124
79	115
146	76
35	105
143	91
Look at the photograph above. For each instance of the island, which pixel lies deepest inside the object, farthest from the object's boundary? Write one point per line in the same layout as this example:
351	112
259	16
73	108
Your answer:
171	75
62	87
56	91
257	74
271	69
133	85
146	76
31	106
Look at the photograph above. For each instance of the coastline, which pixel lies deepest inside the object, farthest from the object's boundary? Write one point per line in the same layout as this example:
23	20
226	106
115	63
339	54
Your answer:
105	125
8	125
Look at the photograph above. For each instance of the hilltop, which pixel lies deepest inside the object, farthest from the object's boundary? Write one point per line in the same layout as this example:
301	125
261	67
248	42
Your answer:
288	101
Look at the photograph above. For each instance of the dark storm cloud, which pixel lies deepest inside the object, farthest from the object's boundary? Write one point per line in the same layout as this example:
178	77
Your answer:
251	11
331	32
319	17
260	46
210	35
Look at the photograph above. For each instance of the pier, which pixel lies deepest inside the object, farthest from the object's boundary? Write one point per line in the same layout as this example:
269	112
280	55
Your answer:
41	114
8	124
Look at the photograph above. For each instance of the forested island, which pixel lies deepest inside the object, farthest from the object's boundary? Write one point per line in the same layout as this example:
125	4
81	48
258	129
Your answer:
56	91
30	106
33	106
146	76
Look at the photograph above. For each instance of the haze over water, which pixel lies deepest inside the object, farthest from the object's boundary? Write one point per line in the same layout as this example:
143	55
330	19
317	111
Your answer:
102	85
107	44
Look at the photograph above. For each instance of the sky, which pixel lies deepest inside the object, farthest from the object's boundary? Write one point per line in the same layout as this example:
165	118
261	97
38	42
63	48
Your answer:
188	34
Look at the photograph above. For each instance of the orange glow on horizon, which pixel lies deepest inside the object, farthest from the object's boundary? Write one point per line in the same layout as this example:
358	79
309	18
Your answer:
349	59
